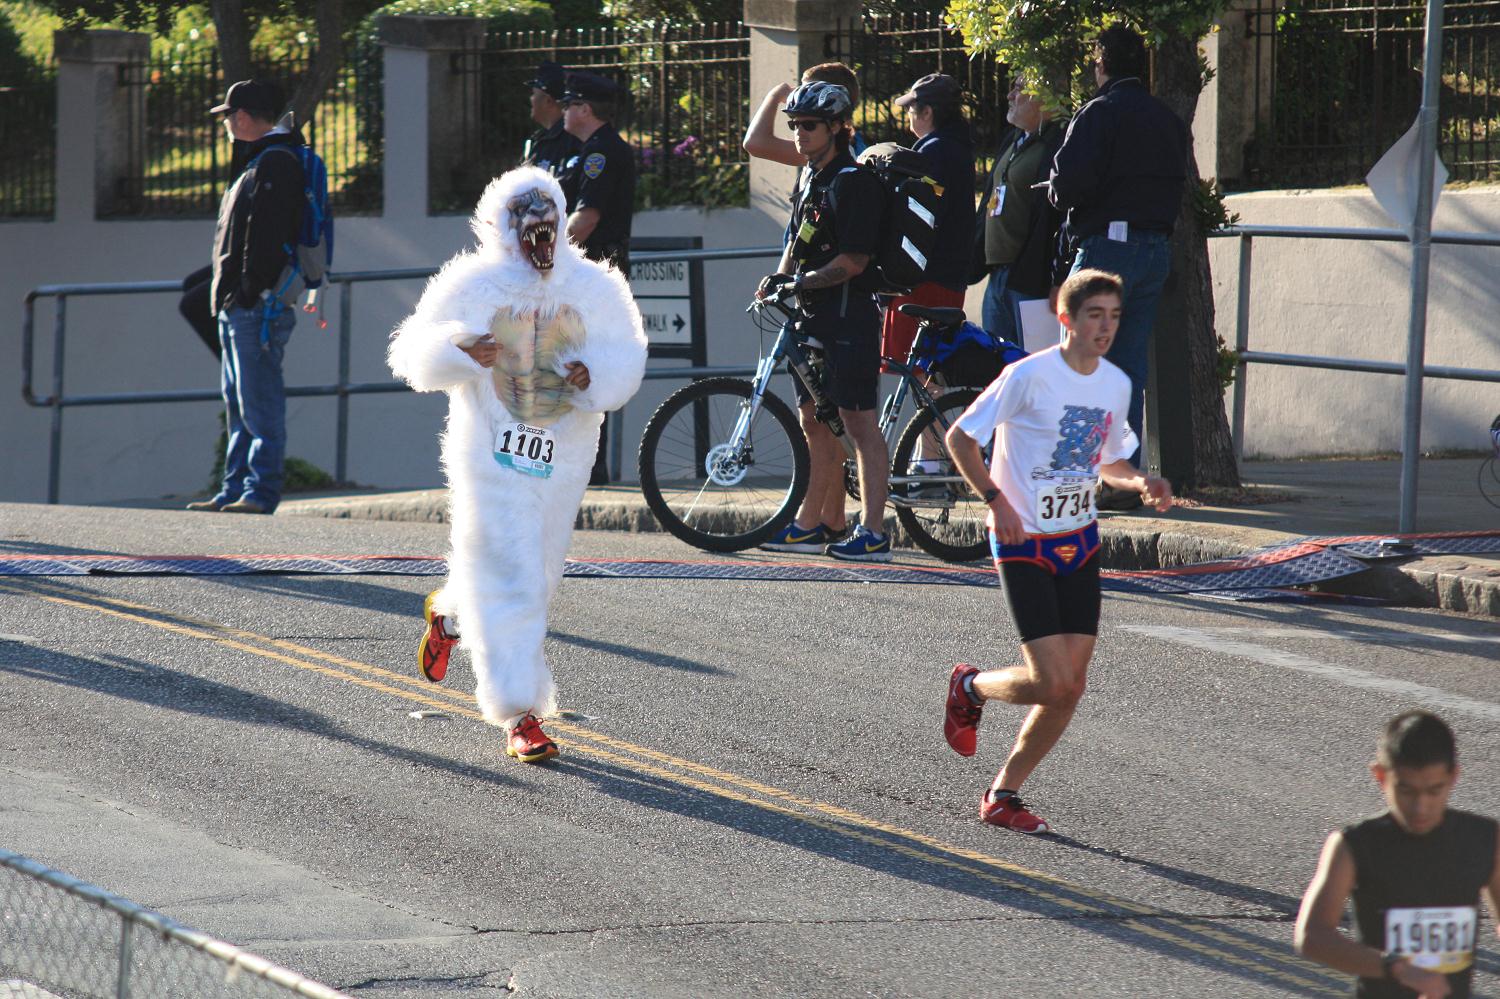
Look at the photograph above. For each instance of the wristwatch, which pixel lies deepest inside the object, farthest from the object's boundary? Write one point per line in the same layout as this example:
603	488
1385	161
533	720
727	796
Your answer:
1388	962
990	494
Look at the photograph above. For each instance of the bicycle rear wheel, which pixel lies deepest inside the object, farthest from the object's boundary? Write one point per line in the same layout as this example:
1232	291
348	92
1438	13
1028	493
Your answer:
705	491
948	519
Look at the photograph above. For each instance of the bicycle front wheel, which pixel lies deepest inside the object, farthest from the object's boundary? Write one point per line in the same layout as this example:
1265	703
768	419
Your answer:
944	518
711	491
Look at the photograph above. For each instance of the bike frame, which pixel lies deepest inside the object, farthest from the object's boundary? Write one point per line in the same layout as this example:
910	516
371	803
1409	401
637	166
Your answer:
789	343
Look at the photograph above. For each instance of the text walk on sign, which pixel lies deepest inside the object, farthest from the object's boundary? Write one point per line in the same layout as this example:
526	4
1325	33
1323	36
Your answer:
663	292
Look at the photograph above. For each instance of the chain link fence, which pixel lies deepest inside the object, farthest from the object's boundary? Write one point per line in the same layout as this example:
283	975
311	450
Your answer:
61	938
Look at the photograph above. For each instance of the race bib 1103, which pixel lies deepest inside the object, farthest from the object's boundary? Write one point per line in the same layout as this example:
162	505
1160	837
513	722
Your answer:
523	448
1440	940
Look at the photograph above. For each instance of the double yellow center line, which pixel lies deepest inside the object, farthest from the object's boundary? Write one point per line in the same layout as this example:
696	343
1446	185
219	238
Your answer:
1240	951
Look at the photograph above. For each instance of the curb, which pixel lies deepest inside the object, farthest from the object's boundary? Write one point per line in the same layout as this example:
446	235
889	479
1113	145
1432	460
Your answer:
1451	583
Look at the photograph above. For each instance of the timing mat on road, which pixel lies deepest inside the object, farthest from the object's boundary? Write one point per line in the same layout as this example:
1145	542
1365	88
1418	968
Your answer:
1266	573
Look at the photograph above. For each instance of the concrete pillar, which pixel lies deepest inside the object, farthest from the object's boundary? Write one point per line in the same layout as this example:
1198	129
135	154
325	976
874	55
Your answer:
1225	121
786	36
431	109
101	120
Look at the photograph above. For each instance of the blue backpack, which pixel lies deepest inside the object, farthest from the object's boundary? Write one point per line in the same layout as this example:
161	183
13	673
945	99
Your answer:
310	257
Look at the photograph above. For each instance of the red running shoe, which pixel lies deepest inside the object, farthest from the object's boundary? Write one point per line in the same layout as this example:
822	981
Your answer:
437	644
528	743
1010	813
961	715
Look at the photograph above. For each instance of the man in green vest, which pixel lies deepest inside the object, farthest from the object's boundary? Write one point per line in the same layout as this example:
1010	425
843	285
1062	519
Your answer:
1015	235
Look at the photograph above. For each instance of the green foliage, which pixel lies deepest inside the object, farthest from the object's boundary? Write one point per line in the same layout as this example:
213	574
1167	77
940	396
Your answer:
499	15
303	476
633	12
1049	41
1209	207
1226	366
32	26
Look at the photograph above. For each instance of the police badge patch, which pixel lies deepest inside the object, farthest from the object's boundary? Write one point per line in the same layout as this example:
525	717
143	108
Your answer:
593	165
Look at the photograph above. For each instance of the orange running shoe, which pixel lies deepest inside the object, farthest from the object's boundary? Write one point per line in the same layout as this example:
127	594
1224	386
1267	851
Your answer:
437	643
1009	812
528	743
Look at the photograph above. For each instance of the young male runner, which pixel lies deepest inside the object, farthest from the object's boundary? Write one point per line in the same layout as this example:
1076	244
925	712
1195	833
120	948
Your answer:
1058	419
1415	872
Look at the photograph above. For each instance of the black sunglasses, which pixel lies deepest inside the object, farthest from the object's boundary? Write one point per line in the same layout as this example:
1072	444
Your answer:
806	124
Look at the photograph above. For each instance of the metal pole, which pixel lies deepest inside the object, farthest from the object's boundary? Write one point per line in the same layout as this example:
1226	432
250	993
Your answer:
346	326
1421	258
54	460
127	956
1241	344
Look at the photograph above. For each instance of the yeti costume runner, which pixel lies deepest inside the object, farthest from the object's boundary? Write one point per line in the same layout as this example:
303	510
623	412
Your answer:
533	343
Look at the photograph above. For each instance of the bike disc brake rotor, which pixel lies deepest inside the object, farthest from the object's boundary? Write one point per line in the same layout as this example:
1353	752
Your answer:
725	465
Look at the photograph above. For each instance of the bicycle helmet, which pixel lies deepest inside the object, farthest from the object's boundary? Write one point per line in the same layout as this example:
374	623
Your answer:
818	100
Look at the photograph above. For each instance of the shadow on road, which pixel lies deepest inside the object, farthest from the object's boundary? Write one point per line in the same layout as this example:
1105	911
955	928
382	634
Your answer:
1216	944
120	676
639	654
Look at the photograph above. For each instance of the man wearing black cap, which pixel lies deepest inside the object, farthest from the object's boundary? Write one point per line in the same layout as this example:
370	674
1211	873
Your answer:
935	115
550	146
601	185
258	219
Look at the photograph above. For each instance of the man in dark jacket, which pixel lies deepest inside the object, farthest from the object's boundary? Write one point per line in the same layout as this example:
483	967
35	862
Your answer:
1015	235
1119	176
258	220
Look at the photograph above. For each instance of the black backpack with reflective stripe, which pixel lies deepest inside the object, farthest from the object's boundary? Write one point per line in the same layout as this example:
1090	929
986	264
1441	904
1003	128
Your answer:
908	231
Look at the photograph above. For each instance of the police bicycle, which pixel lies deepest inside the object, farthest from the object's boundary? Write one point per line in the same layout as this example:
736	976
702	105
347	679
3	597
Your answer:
724	464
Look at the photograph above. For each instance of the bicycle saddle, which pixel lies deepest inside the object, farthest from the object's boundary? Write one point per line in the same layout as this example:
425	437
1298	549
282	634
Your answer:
943	316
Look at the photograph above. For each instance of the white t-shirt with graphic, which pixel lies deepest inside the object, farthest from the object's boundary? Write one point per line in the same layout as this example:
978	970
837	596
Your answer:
1052	429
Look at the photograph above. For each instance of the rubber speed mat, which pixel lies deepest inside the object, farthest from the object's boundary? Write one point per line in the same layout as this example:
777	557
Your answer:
1265	574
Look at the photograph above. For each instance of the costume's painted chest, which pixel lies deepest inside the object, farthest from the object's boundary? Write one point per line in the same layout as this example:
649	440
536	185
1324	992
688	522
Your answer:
523	375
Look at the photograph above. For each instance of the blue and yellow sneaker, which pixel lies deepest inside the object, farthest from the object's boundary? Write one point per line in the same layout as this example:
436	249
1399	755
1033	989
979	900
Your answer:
792	538
864	546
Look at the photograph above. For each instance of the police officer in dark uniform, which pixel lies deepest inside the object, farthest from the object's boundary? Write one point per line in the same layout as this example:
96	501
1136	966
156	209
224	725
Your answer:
1415	873
600	188
550	146
601	185
833	237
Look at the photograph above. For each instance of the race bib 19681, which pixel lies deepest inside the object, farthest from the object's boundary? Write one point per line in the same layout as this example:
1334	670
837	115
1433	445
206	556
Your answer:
524	448
1440	940
1064	505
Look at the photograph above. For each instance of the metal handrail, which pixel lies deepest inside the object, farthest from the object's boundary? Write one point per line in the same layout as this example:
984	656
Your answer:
1246	234
57	400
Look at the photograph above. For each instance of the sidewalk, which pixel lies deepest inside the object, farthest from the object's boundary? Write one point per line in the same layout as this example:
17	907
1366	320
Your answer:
1288	500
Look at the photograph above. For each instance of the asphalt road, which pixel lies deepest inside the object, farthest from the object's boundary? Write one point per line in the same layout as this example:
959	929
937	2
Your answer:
754	795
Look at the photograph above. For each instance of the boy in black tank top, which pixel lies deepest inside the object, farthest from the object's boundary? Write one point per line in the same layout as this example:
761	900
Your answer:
1415	873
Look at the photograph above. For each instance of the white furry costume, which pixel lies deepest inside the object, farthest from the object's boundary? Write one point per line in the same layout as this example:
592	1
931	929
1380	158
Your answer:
510	529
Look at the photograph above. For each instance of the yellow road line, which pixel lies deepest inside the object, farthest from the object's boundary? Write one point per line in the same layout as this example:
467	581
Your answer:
828	817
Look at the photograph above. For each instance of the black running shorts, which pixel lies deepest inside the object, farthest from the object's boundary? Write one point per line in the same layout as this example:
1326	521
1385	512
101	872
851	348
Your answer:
1044	604
851	349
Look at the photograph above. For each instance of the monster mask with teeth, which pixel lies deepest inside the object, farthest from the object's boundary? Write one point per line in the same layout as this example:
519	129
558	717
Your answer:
533	217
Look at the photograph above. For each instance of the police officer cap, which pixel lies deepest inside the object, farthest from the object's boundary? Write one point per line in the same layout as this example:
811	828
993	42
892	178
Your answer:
549	78
934	88
585	86
251	95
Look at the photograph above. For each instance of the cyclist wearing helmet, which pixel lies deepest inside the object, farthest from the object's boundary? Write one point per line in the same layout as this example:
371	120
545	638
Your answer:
835	231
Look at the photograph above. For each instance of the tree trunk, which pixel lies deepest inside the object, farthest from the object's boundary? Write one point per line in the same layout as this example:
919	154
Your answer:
1178	83
327	60
234	31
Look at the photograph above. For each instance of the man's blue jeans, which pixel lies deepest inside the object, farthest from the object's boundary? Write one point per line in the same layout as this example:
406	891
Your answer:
254	404
1142	261
1001	313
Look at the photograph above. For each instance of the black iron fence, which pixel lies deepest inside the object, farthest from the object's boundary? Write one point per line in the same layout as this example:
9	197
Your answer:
688	105
183	158
890	52
1338	81
28	144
